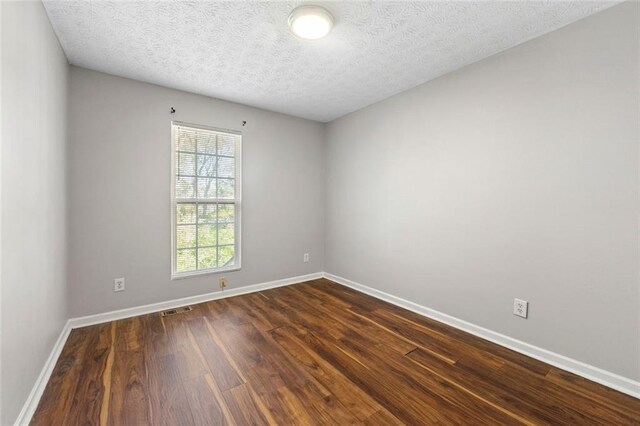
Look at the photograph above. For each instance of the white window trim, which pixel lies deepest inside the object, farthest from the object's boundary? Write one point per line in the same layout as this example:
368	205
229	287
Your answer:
238	204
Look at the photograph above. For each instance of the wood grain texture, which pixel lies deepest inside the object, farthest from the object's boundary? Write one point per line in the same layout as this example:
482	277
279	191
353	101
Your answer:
311	353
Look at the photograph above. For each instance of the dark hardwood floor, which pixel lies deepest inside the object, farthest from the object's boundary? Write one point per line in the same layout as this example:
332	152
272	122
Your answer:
312	353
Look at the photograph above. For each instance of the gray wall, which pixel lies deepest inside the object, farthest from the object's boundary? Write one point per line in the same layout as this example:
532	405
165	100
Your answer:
119	187
34	134
514	177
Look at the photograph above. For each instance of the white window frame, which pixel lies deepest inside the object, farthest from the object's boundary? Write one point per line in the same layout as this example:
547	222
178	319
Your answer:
237	202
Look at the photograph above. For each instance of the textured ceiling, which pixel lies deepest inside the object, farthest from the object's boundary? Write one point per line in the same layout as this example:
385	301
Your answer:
244	51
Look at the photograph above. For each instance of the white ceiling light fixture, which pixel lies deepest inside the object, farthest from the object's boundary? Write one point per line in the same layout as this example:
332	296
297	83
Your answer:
310	22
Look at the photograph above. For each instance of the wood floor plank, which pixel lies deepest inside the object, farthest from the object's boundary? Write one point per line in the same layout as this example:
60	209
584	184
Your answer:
206	402
307	354
168	403
434	390
302	313
351	321
263	380
265	360
350	296
221	366
59	393
486	388
340	323
296	411
589	412
243	406
593	391
128	400
442	346
260	314
395	388
382	418
357	401
89	395
191	362
157	342
223	312
486	347
313	291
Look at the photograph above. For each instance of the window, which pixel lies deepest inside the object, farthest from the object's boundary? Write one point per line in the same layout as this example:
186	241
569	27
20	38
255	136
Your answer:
205	200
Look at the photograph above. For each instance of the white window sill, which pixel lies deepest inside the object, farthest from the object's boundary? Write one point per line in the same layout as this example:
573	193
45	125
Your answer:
204	272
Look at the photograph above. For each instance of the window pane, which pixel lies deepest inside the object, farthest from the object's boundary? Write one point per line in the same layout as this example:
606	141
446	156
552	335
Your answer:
225	256
205	219
206	188
226	167
186	260
207	143
206	213
185	187
207	258
186	236
186	164
226	188
226	145
226	213
186	141
225	234
206	235
186	213
206	165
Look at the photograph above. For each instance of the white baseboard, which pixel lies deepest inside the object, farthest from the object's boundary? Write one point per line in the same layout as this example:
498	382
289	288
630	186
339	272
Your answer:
606	378
33	399
175	303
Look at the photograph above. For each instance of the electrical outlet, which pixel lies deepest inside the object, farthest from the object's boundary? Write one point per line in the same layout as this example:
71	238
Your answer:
520	308
305	258
118	284
223	282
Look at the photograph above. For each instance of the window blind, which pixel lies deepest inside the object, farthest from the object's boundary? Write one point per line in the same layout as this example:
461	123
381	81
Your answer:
206	200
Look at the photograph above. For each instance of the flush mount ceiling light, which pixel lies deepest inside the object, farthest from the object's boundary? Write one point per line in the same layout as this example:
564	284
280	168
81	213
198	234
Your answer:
310	22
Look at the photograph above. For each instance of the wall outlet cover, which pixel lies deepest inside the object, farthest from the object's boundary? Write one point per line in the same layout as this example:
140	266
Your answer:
521	308
118	284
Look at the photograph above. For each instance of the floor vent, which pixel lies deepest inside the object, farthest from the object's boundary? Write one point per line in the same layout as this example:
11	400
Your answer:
176	311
